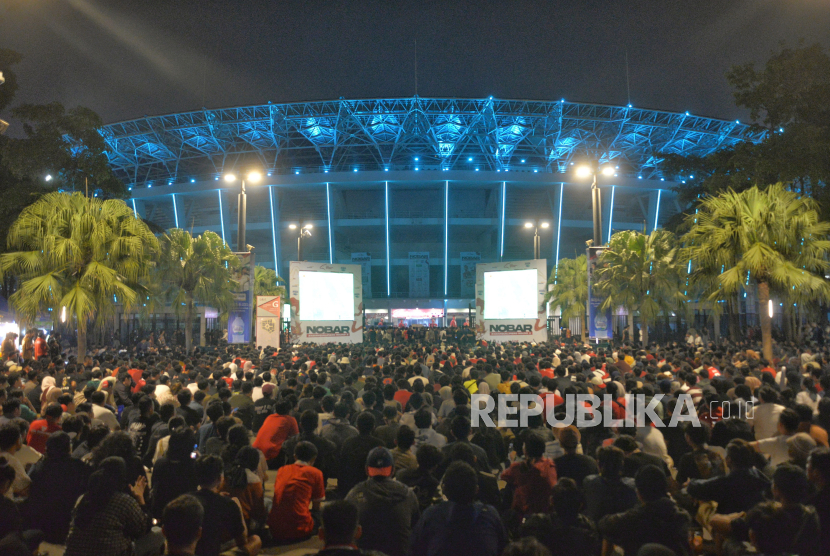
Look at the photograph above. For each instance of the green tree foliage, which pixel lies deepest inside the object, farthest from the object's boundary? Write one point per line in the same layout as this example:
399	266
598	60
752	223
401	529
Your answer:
773	238
195	270
70	251
570	290
265	282
644	273
63	143
790	98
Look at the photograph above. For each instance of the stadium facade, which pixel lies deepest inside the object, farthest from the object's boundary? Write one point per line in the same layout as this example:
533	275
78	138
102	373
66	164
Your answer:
390	177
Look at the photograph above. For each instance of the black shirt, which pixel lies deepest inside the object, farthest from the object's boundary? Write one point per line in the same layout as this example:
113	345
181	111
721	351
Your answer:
223	522
576	467
263	407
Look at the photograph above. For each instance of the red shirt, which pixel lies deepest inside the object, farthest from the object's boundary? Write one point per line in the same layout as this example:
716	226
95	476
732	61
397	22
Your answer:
40	348
39	432
294	490
275	430
533	485
402	397
138	382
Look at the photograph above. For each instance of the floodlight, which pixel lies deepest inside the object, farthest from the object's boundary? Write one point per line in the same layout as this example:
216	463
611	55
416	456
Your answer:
308	226
254	177
544	225
48	177
292	226
608	171
528	224
583	171
230	178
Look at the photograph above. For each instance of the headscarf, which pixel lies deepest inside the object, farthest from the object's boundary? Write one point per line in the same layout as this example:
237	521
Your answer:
446	393
483	388
46	387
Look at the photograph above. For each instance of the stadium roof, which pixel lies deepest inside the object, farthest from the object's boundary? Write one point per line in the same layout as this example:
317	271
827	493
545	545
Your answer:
410	133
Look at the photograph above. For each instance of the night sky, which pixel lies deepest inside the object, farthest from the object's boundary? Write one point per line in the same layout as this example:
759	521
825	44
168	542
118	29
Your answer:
126	59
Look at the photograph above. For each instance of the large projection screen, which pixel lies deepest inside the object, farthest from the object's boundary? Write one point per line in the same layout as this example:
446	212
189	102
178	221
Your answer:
326	296
510	294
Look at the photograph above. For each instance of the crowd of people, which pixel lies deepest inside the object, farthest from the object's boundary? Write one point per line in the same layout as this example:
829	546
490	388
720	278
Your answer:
372	448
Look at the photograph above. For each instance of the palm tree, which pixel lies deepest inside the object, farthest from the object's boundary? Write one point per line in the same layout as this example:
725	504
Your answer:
265	282
772	237
77	253
570	290
195	270
642	273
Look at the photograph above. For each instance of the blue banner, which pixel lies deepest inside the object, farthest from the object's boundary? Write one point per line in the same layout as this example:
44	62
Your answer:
240	322
599	321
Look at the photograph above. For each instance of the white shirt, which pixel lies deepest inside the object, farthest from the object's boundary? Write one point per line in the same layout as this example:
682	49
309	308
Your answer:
257	393
21	479
105	416
776	448
163	394
765	420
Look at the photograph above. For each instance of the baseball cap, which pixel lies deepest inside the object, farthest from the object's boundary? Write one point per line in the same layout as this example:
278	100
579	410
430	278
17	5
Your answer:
379	462
268	388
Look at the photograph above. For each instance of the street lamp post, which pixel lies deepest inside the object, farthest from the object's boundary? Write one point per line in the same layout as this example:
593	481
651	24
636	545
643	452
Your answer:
537	240
305	231
596	198
242	213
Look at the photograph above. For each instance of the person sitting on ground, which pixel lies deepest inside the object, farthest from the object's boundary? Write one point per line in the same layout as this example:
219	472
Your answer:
297	486
657	520
422	479
818	472
389	430
340	531
701	462
740	489
326	460
174	473
58	481
531	480
10	443
388	509
573	465
182	529
402	452
243	483
354	452
111	515
608	492
461	525
224	524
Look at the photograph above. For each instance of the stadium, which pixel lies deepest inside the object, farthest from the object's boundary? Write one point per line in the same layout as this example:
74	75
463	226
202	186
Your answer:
380	179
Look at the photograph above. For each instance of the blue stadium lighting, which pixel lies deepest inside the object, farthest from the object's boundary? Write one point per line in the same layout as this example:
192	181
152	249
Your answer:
221	214
469	159
388	262
639	177
175	210
523	161
657	212
446	233
328	215
192	180
662	179
355	169
216	178
296	172
325	171
476	169
416	159
558	232
135	211
738	122
629	106
611	214
269	174
129	189
273	230
687	113
691	177
170	183
536	170
149	186
781	130
498	169
562	101
386	169
503	206
416	168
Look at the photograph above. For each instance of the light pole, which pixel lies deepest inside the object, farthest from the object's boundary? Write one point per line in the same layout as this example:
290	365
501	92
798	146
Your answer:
242	213
305	231
596	199
537	241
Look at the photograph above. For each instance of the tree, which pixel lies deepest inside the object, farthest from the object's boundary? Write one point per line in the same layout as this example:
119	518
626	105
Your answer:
195	270
65	144
82	254
570	290
789	99
265	282
773	238
642	273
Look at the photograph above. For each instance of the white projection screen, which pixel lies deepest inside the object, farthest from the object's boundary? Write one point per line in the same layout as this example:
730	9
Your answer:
510	294
326	296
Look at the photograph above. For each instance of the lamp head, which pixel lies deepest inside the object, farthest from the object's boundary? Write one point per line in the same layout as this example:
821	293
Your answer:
308	226
230	178
528	224
584	171
292	226
253	177
608	171
544	225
